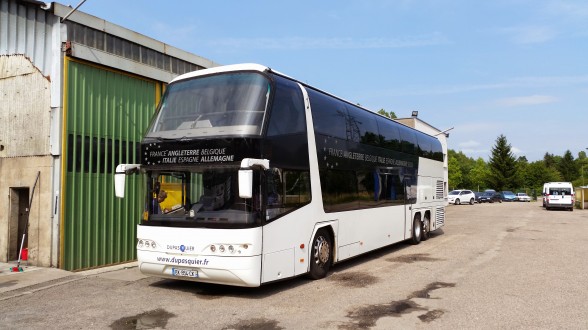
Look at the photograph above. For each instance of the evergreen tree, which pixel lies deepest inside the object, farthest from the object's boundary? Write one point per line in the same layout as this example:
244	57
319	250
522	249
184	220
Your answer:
502	165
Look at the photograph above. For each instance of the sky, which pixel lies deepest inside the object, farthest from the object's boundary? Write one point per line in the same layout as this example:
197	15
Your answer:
484	68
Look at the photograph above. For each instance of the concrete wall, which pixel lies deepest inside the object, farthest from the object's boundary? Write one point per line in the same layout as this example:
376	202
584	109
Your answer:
25	116
24	108
21	173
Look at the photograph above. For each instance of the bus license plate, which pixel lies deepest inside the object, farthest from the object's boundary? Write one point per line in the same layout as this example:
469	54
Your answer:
184	272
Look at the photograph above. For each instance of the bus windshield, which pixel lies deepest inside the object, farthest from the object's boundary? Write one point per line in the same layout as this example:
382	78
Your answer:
207	198
218	105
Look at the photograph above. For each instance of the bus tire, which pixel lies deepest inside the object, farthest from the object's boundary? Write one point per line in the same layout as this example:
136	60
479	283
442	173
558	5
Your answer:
417	230
426	228
321	256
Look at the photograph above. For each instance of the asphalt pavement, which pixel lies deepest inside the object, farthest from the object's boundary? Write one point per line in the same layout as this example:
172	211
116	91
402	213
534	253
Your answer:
28	279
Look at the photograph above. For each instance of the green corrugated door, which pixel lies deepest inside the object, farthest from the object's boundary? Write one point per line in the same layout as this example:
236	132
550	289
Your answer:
106	114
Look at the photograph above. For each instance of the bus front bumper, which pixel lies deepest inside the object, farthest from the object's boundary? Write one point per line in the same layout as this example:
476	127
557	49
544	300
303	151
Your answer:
229	270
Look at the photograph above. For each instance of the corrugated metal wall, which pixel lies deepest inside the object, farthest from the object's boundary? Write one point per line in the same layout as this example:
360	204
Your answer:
106	115
27	29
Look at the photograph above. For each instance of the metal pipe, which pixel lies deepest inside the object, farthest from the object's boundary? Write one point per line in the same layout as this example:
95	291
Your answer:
72	11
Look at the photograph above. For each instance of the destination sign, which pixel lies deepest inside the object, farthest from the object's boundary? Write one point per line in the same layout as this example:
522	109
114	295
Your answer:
166	153
334	153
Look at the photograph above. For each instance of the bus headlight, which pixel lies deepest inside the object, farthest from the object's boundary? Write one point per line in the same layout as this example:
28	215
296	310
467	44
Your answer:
230	248
146	243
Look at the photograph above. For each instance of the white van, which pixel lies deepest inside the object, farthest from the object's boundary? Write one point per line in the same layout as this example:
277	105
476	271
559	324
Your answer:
558	195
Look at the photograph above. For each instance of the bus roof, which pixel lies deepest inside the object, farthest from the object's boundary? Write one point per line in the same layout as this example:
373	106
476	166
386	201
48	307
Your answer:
263	68
228	68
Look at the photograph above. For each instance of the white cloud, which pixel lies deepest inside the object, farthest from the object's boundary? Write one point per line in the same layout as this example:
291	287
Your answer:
529	34
527	100
469	144
332	43
568	9
517	82
475	153
477	127
516	150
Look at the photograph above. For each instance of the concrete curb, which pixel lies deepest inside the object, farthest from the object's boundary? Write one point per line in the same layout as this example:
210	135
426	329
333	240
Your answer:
33	279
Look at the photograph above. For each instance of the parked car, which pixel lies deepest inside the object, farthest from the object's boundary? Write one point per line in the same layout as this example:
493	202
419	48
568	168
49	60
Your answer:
558	195
522	197
490	197
508	196
461	196
478	194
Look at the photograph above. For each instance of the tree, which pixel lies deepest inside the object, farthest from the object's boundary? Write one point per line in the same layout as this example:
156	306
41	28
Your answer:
455	175
502	165
385	113
538	173
568	167
479	174
521	174
465	165
551	160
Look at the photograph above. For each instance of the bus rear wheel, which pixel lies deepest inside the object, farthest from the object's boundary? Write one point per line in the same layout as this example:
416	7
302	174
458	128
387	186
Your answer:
426	228
321	256
417	230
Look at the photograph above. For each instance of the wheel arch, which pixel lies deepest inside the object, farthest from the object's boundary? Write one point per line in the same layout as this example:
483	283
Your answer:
331	228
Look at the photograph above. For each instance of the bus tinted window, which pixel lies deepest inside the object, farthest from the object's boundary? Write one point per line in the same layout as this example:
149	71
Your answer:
286	191
339	191
224	104
379	188
390	134
436	150
329	115
287	114
408	140
286	143
363	126
425	147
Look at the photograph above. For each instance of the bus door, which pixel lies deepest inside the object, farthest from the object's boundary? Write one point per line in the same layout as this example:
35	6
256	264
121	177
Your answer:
409	199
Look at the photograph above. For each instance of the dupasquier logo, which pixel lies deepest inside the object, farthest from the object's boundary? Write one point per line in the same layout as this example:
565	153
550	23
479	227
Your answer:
181	248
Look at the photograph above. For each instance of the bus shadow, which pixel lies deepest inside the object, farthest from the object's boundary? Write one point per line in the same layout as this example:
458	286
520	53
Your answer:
209	291
380	253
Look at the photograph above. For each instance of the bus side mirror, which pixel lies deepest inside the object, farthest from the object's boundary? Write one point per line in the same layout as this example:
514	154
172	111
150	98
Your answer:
246	175
245	183
122	170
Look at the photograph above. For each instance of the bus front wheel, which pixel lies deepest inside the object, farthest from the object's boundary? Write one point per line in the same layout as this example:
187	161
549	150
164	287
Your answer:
321	254
417	229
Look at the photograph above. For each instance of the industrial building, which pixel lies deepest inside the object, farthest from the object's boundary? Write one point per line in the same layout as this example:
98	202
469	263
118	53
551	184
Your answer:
76	94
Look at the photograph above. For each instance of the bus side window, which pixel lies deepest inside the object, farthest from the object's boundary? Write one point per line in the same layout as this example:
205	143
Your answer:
286	191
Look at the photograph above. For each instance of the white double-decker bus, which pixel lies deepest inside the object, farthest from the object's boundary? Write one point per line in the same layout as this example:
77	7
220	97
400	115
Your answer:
253	177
